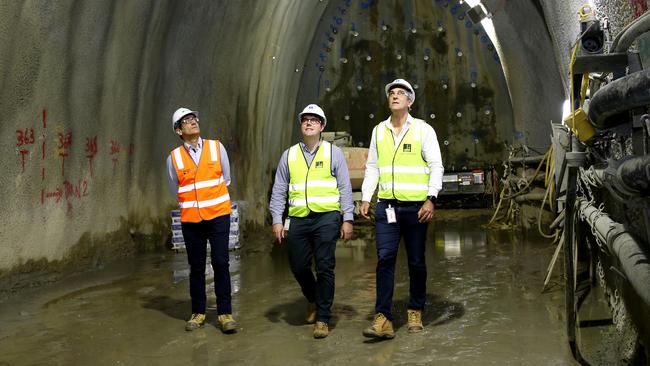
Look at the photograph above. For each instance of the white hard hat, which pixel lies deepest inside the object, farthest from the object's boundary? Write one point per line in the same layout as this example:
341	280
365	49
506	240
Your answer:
403	83
315	110
180	113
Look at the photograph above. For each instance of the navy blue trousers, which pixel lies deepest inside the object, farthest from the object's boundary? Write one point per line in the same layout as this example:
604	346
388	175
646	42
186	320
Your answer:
196	236
388	237
310	239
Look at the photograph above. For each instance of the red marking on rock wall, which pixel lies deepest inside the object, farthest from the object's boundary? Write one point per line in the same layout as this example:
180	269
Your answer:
115	150
67	193
65	142
24	139
91	151
44	118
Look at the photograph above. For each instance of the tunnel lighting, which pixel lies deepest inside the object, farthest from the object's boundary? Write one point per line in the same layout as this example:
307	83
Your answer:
446	142
359	87
399	56
344	60
368	58
440	28
459	53
415	86
297	69
487	112
473	84
566	109
371	116
355	34
384	27
346	117
426	57
328	89
458	114
432	115
413	30
444	86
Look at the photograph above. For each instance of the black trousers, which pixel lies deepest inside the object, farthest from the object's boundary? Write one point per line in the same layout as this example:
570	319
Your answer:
196	236
313	239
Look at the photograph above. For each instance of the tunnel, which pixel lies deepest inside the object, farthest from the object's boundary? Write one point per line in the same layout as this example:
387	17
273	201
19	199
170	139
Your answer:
89	89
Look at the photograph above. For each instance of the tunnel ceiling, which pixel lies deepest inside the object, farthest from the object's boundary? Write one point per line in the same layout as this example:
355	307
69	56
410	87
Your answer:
360	46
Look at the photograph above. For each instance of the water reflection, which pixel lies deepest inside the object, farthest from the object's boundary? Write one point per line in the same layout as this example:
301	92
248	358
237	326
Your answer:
452	242
181	271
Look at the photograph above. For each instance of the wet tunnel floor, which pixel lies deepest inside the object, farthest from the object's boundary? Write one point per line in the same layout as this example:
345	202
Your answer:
484	306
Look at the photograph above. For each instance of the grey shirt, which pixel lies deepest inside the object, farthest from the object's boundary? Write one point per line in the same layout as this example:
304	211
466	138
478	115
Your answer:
339	170
172	178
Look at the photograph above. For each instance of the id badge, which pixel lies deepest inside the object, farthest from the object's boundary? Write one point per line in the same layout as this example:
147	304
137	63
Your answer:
390	215
287	222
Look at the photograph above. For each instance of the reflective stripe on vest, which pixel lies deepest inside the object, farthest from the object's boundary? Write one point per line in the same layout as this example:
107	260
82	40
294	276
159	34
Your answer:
202	191
403	173
312	188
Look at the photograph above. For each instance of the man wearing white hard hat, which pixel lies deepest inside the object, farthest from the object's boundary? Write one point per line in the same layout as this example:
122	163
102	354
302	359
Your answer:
404	160
199	174
314	175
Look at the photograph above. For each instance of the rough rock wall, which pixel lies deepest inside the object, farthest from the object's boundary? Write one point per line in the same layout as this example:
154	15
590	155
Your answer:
88	90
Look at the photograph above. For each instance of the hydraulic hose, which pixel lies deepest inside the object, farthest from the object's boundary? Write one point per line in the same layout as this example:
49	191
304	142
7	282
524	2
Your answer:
620	95
629	34
635	174
634	262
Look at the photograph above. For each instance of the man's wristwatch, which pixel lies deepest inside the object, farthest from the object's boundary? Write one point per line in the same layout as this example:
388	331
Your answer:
432	199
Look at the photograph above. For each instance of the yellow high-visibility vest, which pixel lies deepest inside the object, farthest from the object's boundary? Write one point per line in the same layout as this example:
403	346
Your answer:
403	172
313	187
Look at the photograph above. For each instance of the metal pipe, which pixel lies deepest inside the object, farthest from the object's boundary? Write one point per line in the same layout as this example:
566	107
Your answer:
620	95
528	159
532	196
634	262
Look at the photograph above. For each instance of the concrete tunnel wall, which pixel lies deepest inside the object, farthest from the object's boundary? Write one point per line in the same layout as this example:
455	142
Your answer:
88	90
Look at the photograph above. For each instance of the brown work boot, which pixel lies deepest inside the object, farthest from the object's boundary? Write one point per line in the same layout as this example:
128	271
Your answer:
381	327
310	316
227	323
321	330
414	320
195	322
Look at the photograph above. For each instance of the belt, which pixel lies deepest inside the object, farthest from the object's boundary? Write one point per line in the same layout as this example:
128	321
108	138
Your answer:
398	203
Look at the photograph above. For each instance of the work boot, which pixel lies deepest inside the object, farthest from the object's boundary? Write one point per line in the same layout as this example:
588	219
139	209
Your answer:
414	321
195	322
227	323
310	316
381	327
321	330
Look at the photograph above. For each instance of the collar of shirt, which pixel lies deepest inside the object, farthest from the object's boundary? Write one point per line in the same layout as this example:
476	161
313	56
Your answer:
407	124
305	149
199	146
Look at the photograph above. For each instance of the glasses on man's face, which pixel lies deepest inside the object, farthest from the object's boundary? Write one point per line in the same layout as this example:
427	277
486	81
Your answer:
189	119
397	92
310	120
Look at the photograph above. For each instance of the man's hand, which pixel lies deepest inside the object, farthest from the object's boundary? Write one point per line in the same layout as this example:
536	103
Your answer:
278	231
363	210
426	212
346	230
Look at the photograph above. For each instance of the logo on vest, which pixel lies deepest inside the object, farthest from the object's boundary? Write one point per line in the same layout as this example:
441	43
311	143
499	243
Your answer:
319	164
406	148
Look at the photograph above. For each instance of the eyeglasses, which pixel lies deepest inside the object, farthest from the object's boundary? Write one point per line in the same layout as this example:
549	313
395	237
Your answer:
189	119
397	92
310	120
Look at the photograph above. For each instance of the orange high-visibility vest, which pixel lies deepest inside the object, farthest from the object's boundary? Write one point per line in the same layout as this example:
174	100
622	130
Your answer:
202	191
